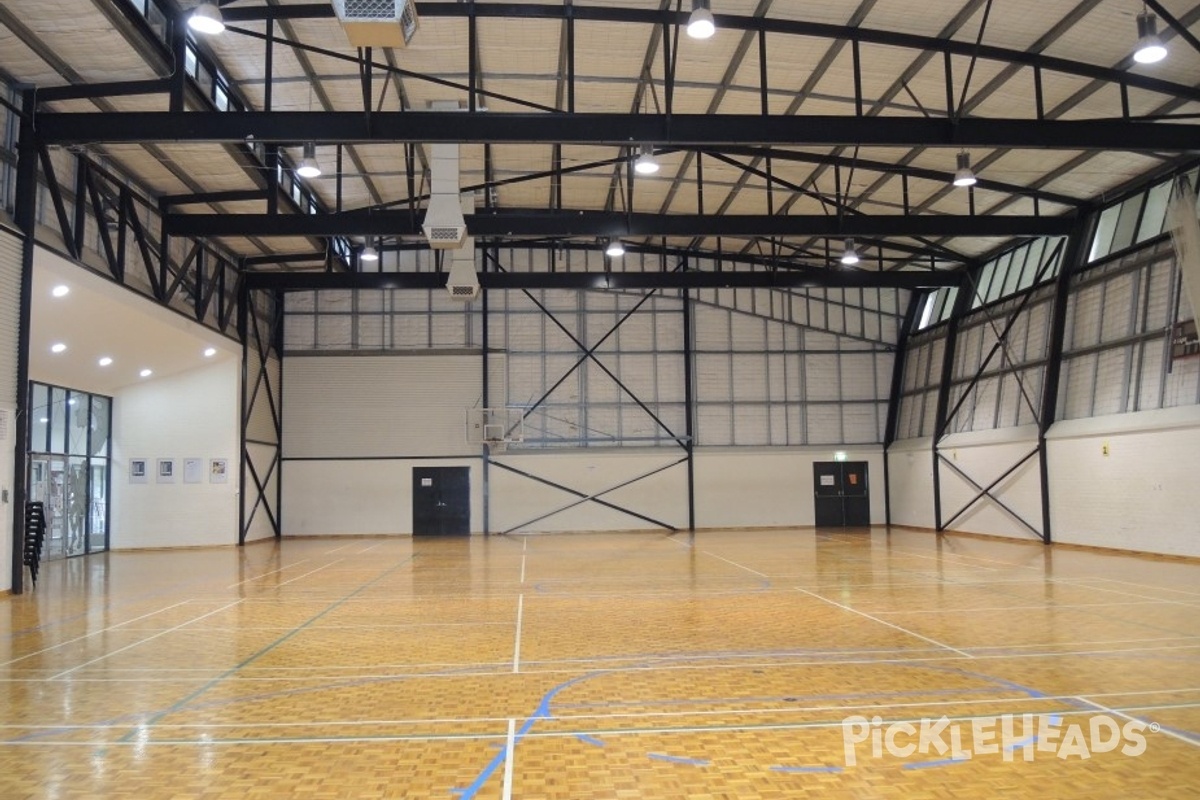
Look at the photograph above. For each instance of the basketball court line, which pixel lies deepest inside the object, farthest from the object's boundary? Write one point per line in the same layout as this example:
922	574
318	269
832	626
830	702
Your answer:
962	653
571	666
572	734
509	758
1121	713
142	641
1047	607
271	572
517	643
93	633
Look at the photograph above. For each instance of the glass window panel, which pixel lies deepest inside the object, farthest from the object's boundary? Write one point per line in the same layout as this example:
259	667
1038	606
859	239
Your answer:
1102	243
1012	277
927	311
77	423
951	296
1127	222
1033	263
981	287
189	61
39	419
76	506
98	506
58	420
101	420
1155	214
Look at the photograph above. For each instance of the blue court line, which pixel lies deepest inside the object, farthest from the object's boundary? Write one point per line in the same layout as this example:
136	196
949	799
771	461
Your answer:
541	712
583	737
262	652
944	762
807	769
694	762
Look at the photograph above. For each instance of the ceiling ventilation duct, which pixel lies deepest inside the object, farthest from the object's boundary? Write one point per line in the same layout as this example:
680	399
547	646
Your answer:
378	23
444	225
463	281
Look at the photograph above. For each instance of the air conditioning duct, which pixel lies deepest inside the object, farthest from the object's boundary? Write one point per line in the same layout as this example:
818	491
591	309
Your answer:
377	23
463	282
444	225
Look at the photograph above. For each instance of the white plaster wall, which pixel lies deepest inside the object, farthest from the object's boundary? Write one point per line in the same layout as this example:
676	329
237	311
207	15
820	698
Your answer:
771	487
910	482
190	415
1143	495
322	498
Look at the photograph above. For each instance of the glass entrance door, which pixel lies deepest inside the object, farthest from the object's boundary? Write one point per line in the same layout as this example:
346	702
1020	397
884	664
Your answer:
47	485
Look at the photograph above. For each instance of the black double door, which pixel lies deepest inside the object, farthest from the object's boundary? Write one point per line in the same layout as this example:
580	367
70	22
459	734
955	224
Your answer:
441	500
842	496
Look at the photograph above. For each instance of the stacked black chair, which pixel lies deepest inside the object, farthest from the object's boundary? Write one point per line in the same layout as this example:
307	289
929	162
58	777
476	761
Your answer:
35	534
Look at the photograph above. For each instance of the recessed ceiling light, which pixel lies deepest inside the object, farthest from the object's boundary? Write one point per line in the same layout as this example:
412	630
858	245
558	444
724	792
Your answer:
62	290
105	361
57	347
146	373
210	352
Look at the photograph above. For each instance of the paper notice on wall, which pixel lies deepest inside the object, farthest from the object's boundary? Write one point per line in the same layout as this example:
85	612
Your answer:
827	480
193	470
853	479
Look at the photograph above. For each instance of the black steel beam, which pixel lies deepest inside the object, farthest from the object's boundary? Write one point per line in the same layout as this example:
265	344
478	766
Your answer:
349	127
518	223
692	279
792	27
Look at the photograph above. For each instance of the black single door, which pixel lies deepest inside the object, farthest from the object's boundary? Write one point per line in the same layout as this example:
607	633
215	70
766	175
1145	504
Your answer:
841	494
856	499
827	488
441	500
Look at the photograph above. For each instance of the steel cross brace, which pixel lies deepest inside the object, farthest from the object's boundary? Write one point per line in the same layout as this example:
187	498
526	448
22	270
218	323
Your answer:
987	492
595	498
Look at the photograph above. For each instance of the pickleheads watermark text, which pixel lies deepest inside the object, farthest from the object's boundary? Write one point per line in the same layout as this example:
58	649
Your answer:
1009	736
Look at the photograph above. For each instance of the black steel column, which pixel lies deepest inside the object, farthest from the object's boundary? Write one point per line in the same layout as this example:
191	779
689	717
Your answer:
26	219
1071	261
243	301
487	460
688	405
893	414
281	317
962	302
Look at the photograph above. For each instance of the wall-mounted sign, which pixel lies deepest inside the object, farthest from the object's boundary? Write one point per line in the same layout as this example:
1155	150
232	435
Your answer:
1185	342
827	480
840	455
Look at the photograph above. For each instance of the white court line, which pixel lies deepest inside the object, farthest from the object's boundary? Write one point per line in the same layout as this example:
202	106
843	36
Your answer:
659	730
352	723
780	661
1148	586
517	641
1128	594
962	653
522	568
265	574
142	641
734	563
1048	607
509	746
310	572
1172	734
93	633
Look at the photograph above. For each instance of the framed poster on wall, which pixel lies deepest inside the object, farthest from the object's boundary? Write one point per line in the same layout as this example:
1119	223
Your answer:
218	470
166	470
138	472
193	470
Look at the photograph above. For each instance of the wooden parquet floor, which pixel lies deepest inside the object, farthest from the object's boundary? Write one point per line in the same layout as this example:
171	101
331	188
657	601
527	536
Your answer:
753	665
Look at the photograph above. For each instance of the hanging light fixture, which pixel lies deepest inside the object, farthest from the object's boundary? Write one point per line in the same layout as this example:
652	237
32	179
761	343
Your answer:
615	249
646	163
207	19
1150	48
369	253
309	168
700	23
964	176
849	254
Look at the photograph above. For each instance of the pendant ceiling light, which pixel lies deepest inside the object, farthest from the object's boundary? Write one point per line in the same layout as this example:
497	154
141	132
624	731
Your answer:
309	168
1150	48
700	22
207	19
